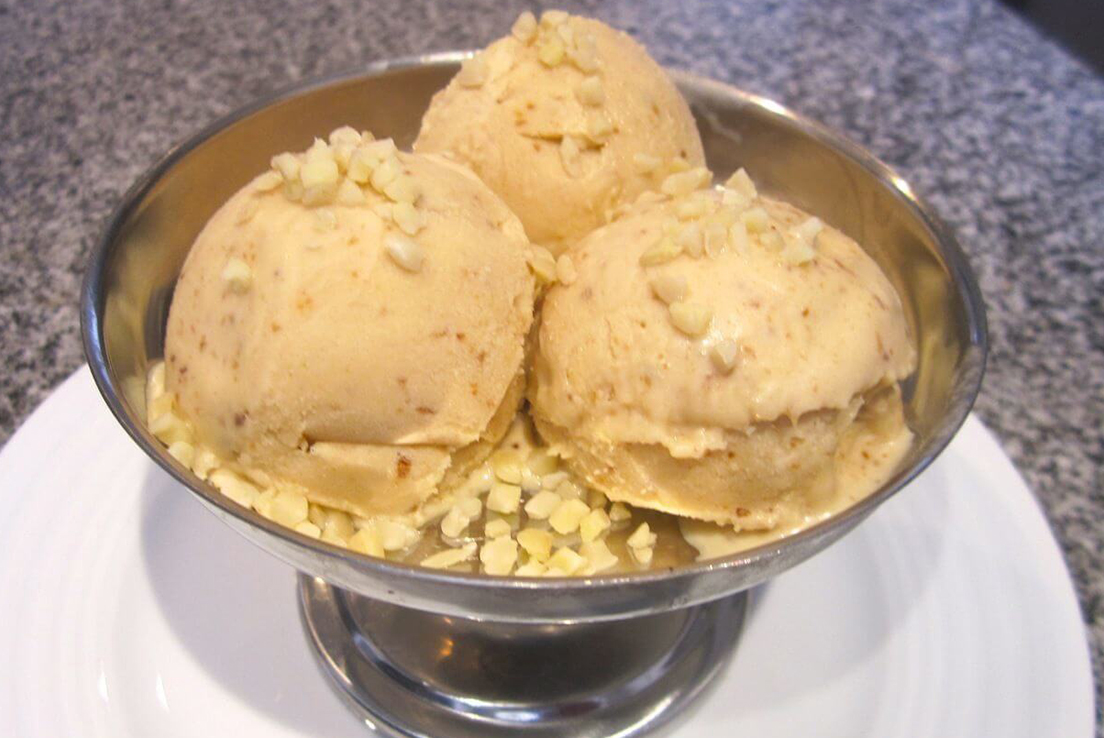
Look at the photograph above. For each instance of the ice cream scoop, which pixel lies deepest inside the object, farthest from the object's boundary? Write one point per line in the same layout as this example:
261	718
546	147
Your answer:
351	326
566	119
717	354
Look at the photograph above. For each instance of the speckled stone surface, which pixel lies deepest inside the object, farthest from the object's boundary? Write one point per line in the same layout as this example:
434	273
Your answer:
997	126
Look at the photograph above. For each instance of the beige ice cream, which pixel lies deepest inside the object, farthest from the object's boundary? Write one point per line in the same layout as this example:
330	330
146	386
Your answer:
351	326
566	119
720	355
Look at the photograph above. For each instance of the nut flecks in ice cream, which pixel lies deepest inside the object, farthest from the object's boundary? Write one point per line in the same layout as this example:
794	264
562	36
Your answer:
303	346
692	318
736	401
559	122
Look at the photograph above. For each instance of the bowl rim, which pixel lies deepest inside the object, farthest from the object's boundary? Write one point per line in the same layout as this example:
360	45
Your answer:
950	252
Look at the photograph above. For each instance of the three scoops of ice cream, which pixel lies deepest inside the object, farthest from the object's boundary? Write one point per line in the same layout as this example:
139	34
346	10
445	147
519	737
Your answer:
354	332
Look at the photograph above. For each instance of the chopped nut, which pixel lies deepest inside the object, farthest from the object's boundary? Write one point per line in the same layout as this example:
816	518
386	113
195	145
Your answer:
542	263
366	541
155	381
288	165
403	189
205	463
328	536
584	53
319	173
591	92
541	462
694	207
386	171
337	523
395	536
237	489
566	518
598	556
690	317
554	479
507	465
530	482
289	508
525	27
496	528
738	237
499	555
642	537
319	151
599	126
345	135
343	154
593	525
715	238
160	403
454	523
450	557
183	452
570	153
683	183
756	220
565	562
809	230
531	568
538	543
689	239
542	505
469	507
797	251
237	275
568	490
262	503
565	270
408	218
741	182
504	498
566	34
349	194
268	181
309	529
293	190
670	287
643	555
551	51
619	512
404	251
723	354
473	72
737	201
361	164
552	18
663	251
169	428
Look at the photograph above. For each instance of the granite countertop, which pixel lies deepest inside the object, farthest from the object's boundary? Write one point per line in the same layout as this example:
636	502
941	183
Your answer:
996	125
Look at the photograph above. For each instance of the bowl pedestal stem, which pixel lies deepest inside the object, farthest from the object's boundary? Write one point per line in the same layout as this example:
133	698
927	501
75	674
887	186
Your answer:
414	673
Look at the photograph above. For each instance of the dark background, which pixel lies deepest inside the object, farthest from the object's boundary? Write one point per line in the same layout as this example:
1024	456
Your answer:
1077	24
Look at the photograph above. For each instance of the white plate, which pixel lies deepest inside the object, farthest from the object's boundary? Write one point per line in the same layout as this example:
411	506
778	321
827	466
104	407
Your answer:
128	610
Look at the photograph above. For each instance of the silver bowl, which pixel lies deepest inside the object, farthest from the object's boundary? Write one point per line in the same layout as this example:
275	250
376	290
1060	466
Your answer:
424	652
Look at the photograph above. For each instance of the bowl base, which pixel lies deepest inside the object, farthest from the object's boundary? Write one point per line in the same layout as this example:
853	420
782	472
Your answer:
414	673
